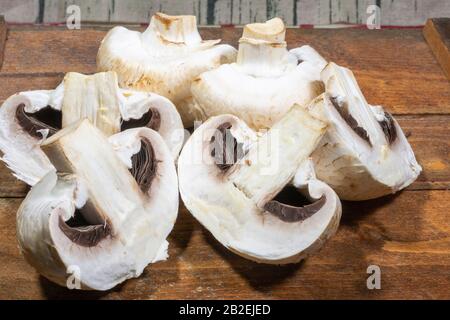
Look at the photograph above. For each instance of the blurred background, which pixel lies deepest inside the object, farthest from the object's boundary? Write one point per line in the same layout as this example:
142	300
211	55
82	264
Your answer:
227	12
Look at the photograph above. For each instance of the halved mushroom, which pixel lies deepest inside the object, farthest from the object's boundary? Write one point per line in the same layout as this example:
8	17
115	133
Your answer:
235	184
163	59
27	118
266	80
364	153
94	213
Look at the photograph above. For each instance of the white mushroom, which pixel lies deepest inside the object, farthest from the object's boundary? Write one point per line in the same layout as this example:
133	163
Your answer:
231	181
265	81
364	153
94	215
27	118
163	59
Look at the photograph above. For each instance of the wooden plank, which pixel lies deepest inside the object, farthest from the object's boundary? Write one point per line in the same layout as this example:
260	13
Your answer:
294	12
428	136
437	34
14	83
21	11
394	67
406	235
3	31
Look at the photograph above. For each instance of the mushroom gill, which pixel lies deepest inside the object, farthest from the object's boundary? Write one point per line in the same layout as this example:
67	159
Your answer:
342	109
32	123
151	119
225	149
388	127
144	165
82	232
290	206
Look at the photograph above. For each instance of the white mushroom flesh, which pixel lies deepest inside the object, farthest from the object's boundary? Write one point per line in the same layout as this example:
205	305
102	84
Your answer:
93	214
265	81
364	154
29	117
236	202
164	59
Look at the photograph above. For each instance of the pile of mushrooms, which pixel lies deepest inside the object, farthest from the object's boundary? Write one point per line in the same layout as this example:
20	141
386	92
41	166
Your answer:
284	136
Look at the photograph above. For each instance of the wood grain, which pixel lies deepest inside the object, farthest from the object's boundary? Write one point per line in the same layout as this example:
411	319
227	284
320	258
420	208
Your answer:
395	68
406	235
3	31
293	12
437	34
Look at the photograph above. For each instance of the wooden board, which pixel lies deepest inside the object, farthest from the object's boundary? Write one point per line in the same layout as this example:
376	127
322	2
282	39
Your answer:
3	31
407	235
437	34
394	67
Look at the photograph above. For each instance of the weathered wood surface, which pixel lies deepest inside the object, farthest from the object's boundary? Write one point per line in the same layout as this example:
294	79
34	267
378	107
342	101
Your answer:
209	12
407	235
437	34
3	31
394	67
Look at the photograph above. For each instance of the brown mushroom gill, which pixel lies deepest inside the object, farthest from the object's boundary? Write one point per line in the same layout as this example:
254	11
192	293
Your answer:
388	127
144	166
225	148
46	118
83	233
342	109
290	206
151	119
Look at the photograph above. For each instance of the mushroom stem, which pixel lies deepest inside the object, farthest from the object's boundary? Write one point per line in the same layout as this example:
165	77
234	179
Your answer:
70	154
95	97
272	30
271	163
262	49
259	57
177	29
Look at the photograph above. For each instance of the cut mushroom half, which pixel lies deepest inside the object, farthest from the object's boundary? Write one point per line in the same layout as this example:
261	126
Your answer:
265	81
364	154
94	221
27	118
235	181
164	59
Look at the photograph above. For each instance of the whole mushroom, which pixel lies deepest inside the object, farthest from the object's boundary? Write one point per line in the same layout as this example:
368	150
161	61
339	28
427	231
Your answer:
27	118
232	180
265	81
94	215
164	59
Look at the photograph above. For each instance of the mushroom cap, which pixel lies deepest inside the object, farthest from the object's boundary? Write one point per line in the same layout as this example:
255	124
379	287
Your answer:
266	80
164	59
123	230
21	151
364	154
237	217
